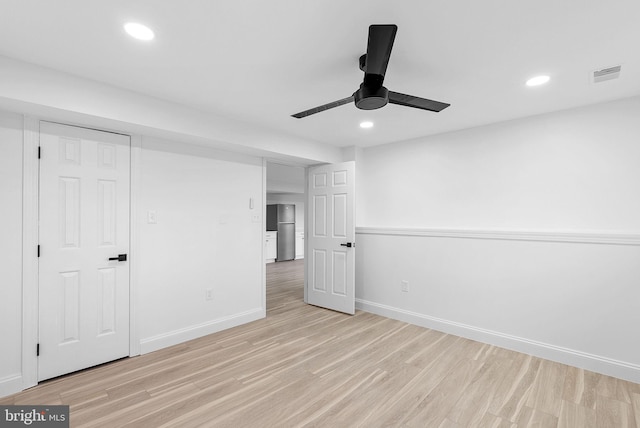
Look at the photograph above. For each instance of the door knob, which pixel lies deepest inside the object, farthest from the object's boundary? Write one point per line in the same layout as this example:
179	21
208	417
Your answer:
348	244
120	258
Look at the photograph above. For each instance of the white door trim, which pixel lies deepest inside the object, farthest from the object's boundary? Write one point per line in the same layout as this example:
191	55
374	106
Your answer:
30	280
263	213
135	182
306	233
30	183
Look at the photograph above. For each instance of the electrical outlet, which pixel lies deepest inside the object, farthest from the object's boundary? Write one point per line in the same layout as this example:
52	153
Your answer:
209	294
255	218
404	286
152	217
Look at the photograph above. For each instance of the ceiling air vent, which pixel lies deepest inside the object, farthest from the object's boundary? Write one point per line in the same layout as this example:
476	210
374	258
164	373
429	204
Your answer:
606	74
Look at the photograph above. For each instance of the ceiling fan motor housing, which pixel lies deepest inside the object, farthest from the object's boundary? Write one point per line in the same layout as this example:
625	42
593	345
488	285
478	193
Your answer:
371	98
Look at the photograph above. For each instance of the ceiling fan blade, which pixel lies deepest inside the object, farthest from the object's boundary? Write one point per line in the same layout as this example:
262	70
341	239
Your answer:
416	102
379	46
323	107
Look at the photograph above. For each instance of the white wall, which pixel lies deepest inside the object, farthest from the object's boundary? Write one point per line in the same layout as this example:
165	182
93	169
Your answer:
205	237
575	169
285	178
10	251
524	234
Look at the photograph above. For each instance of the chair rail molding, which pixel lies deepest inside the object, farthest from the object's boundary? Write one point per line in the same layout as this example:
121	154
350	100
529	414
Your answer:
583	237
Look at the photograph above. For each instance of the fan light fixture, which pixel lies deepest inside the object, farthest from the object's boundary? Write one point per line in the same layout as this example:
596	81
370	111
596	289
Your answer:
366	124
538	80
371	94
139	31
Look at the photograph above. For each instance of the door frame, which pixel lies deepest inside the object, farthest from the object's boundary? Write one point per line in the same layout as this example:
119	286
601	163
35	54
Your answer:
306	227
305	297
30	239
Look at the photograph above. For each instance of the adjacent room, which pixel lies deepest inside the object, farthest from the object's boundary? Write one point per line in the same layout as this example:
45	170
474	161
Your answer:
321	214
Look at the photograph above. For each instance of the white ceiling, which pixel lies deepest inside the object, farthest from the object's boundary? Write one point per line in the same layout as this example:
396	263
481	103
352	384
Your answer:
261	61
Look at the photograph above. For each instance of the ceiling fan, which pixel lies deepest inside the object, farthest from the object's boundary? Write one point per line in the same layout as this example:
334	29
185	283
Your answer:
372	95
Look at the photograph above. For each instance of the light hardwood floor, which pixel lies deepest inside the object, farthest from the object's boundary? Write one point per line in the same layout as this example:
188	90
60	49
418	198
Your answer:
306	366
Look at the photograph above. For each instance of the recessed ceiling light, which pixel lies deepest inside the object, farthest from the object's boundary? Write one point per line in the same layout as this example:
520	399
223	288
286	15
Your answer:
366	124
139	31
538	80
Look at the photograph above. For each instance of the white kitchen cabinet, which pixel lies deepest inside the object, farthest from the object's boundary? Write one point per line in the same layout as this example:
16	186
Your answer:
270	246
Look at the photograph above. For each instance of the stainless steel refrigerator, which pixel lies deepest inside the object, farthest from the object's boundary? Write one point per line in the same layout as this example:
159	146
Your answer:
282	218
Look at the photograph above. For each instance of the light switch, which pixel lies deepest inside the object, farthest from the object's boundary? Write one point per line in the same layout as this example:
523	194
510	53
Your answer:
152	217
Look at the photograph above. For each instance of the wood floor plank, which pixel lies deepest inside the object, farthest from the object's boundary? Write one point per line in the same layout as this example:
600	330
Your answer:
344	388
83	414
432	372
491	421
447	423
304	366
513	392
614	388
212	412
575	415
580	387
547	391
635	404
474	402
436	405
612	413
134	411
530	417
353	406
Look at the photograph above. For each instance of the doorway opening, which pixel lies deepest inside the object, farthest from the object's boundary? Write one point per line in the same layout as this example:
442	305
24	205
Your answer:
330	265
285	192
285	286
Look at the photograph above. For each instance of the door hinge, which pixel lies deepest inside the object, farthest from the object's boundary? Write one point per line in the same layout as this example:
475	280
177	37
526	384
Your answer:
39	152
38	250
38	350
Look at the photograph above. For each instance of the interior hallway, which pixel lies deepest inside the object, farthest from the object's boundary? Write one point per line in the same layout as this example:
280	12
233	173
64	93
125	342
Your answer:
304	365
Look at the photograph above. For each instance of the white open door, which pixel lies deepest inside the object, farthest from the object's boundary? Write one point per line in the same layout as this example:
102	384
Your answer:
330	274
84	226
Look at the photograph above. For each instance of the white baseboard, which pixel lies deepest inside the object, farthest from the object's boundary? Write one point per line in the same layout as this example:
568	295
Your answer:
595	363
10	385
175	337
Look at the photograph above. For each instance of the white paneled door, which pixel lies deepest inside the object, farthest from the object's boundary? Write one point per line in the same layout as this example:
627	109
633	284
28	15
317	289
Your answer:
84	226
330	273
